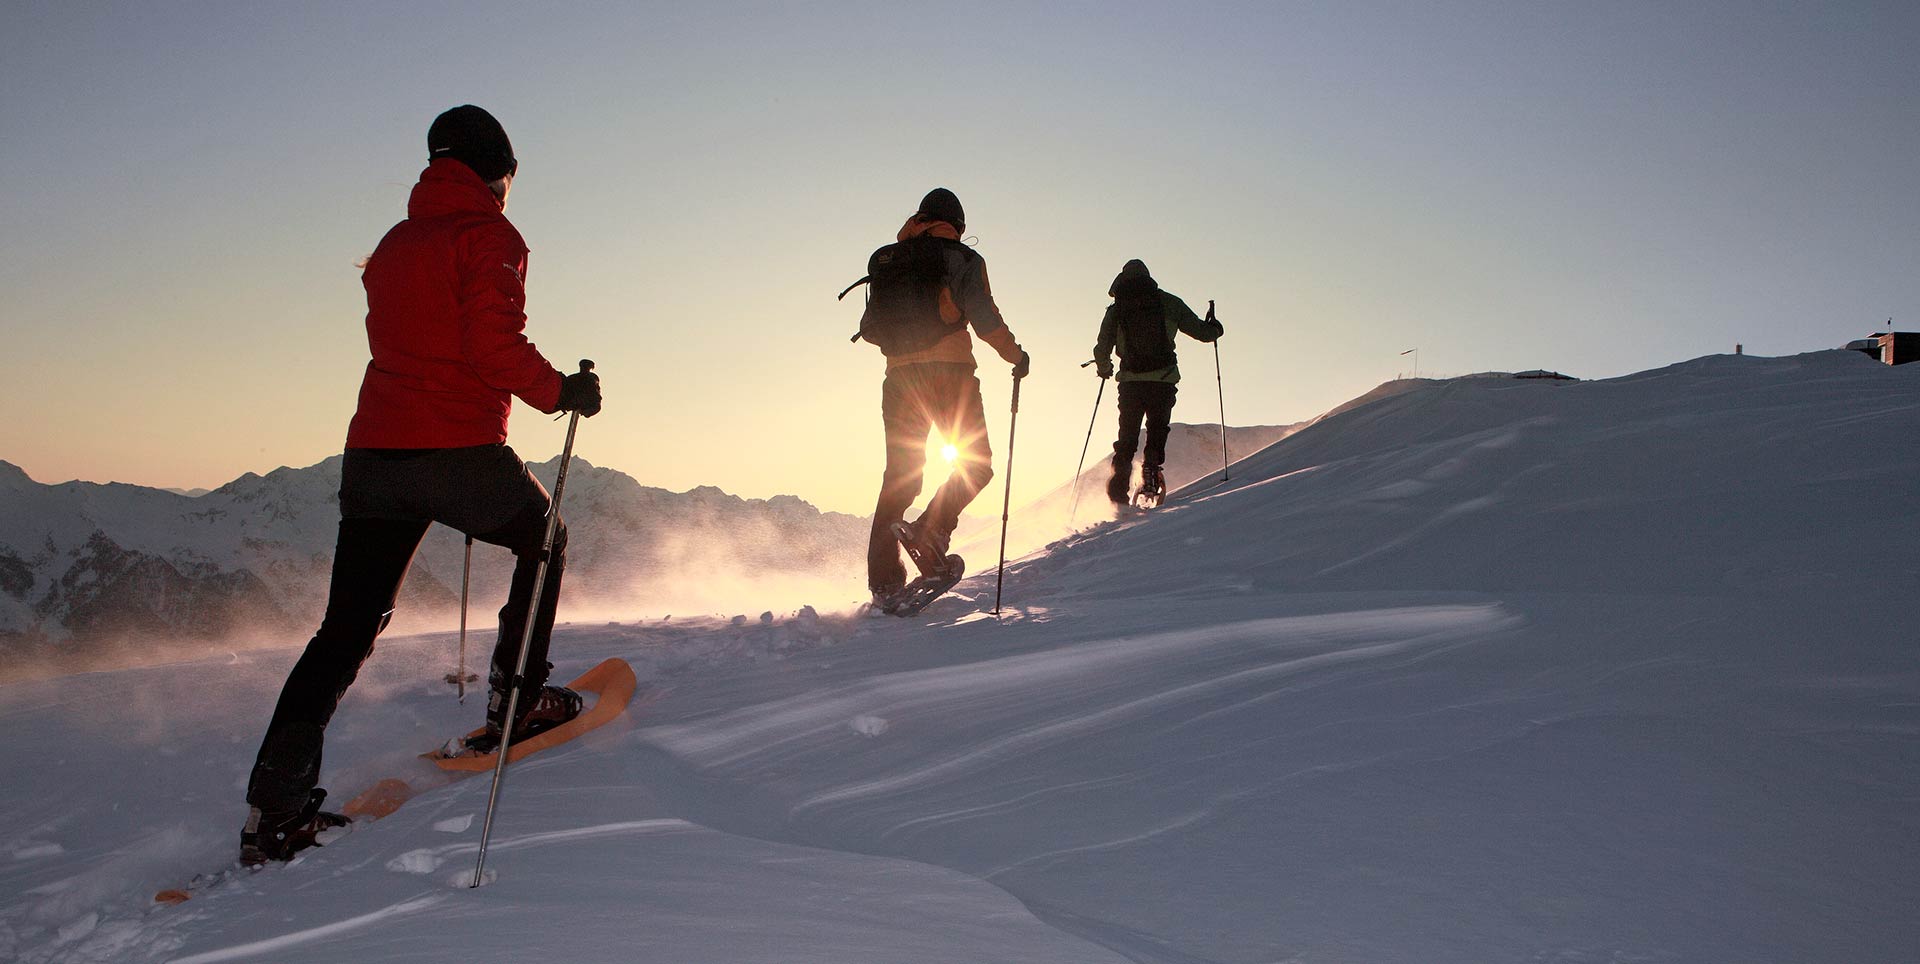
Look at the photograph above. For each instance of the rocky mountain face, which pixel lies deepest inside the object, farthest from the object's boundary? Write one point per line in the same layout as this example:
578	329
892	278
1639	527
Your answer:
91	571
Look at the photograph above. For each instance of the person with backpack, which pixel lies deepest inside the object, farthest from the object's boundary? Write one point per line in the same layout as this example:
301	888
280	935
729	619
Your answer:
1140	325
927	288
446	327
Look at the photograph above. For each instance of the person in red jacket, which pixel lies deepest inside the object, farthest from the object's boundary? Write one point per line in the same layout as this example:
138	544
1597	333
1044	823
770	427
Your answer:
446	329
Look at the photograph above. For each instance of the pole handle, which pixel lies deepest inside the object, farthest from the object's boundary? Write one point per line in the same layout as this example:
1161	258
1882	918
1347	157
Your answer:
586	364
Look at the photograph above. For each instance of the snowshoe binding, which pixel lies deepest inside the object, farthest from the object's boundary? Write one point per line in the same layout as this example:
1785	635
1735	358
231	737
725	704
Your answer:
909	599
279	836
1153	488
539	711
926	547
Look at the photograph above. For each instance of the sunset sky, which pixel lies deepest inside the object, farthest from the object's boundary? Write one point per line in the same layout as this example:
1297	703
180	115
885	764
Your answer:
1592	188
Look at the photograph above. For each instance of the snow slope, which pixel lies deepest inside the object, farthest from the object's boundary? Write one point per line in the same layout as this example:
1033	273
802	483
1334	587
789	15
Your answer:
1193	452
1485	671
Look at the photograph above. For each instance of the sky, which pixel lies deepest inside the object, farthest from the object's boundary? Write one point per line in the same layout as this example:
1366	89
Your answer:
1591	188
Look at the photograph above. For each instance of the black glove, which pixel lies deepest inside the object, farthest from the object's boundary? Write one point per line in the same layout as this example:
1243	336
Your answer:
580	392
1103	369
1024	365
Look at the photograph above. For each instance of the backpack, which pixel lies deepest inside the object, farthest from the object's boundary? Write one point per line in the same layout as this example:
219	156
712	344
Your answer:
904	282
1144	343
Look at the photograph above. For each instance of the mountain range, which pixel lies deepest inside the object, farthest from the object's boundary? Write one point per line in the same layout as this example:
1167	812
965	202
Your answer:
91	571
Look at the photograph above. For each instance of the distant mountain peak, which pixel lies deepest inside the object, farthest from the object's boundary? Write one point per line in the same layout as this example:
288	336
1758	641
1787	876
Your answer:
13	476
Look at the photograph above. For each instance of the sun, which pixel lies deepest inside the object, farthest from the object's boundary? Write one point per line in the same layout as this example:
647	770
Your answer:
940	445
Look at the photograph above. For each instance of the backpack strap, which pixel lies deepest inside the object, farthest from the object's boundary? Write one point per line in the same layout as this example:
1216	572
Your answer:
843	292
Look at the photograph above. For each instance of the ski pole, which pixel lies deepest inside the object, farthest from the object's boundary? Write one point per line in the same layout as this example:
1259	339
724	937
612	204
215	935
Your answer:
1006	501
1075	509
466	581
1221	388
526	639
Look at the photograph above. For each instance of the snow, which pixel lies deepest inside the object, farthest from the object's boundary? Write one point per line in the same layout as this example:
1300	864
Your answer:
1477	671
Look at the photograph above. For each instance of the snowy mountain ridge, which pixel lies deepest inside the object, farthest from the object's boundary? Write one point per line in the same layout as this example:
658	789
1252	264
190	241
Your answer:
103	568
1193	453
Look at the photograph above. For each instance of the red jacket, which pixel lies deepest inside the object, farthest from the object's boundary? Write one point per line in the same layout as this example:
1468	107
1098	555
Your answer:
446	323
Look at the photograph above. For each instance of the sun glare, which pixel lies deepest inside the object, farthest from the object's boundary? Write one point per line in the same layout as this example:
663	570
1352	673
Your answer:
940	445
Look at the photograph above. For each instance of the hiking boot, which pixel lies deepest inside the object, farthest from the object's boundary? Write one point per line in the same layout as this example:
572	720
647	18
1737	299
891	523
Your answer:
1122	480
926	545
539	711
278	836
1153	485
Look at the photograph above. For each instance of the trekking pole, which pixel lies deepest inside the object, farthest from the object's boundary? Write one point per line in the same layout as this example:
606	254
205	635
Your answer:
526	639
466	581
1006	501
1223	399
1072	511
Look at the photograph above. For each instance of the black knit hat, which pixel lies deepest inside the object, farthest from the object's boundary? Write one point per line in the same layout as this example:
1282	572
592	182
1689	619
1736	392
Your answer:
471	136
940	204
1132	279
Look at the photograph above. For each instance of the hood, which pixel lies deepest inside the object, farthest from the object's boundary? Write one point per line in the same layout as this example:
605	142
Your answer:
450	187
916	227
1133	279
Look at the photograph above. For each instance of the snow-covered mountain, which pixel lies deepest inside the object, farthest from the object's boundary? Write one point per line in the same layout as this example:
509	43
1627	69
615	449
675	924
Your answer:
104	570
1480	671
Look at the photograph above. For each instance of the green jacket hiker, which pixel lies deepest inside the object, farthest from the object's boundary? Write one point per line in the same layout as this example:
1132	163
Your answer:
1141	325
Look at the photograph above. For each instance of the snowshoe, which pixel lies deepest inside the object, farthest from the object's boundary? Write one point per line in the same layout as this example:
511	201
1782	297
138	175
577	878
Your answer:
539	711
909	599
882	598
927	548
1153	488
278	836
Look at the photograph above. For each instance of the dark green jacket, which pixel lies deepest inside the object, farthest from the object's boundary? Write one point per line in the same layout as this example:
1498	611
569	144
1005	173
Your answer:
1180	318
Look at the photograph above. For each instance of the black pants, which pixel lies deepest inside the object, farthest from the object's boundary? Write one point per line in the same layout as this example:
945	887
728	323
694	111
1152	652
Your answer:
1152	401
388	497
913	399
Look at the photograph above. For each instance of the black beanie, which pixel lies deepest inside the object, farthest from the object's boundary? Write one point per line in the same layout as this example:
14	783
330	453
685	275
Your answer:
471	136
1132	279
940	204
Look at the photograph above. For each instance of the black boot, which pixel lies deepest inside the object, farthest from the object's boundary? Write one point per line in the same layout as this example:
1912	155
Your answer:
926	545
278	836
1122	481
540	710
1153	486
